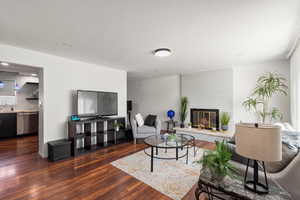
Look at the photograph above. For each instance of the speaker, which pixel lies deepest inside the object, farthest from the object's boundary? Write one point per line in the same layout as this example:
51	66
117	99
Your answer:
129	106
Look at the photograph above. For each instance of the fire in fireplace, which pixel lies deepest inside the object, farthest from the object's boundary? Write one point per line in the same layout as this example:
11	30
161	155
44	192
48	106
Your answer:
205	118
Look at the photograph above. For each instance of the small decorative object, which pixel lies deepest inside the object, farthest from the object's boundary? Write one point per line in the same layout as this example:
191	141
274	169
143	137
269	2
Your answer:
171	114
218	162
213	129
75	118
225	118
183	110
166	135
117	126
258	142
268	85
190	125
2	84
172	137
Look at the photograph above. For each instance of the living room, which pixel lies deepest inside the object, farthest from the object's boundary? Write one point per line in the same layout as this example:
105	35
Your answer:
154	63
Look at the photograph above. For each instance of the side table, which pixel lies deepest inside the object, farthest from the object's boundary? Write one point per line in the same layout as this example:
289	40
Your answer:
171	125
234	189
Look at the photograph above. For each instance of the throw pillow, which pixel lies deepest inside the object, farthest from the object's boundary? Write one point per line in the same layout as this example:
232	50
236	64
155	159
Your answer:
150	120
288	154
139	119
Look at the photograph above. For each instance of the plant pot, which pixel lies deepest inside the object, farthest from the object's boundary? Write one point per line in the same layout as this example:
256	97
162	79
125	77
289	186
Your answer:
215	176
117	129
224	127
181	125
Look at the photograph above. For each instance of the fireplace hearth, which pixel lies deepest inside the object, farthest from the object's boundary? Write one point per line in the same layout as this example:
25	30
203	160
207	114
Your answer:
205	118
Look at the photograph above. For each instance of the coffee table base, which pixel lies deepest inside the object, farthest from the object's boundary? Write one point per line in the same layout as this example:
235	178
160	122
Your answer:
166	158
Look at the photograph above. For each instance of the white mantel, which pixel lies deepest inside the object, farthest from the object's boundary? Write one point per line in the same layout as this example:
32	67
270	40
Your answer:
206	135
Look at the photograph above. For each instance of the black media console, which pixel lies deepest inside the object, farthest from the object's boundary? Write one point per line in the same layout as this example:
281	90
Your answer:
92	134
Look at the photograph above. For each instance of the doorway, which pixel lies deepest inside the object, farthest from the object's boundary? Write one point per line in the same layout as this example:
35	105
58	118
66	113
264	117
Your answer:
20	108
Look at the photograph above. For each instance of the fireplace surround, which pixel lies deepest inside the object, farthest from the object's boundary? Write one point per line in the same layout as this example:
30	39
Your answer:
205	118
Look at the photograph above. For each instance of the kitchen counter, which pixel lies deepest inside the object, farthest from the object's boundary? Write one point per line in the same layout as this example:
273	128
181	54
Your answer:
19	111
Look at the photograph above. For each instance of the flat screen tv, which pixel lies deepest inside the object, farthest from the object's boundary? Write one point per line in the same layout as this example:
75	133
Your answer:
87	102
107	103
92	103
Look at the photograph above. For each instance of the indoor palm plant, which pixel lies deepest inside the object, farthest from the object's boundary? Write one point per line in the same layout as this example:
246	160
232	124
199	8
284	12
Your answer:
218	162
183	110
268	85
225	118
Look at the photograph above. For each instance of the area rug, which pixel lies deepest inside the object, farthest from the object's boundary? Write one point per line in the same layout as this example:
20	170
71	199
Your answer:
170	177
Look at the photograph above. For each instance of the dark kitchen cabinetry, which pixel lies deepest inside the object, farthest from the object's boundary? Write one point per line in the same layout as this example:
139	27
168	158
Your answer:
8	125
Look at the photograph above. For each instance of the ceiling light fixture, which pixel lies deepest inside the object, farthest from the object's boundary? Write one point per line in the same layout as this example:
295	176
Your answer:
4	63
33	74
162	52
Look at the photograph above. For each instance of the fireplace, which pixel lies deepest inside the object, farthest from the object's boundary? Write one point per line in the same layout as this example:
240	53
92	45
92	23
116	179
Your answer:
205	118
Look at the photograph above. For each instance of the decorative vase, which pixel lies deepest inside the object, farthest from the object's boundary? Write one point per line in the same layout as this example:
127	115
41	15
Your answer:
117	129
216	176
224	127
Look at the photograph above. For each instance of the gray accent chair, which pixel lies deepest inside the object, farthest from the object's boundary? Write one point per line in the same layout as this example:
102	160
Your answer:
145	131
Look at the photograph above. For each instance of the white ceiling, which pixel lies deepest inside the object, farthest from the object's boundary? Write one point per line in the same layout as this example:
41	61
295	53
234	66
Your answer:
203	34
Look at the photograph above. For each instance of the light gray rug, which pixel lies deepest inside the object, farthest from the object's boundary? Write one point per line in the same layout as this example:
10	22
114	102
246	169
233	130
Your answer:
170	177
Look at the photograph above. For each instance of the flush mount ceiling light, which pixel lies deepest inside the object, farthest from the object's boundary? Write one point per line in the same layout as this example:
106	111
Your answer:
4	63
162	52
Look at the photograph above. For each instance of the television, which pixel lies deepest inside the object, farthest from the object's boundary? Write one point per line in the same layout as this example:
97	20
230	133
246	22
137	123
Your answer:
93	103
107	103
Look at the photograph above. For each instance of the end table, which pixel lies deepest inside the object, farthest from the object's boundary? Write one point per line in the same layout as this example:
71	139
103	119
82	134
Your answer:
234	189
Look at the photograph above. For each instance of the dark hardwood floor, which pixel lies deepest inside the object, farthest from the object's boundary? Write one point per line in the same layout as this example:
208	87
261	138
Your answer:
25	175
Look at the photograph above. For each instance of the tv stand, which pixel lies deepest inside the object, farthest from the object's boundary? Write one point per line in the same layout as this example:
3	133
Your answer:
92	134
104	117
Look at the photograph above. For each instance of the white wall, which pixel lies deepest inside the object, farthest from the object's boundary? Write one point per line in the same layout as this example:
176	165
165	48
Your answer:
61	77
209	89
245	81
223	89
295	89
154	96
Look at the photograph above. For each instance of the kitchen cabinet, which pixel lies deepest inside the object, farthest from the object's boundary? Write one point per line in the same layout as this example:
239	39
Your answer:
7	125
27	122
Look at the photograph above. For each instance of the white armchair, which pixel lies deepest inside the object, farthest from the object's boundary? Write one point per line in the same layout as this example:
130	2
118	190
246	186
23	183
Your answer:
145	131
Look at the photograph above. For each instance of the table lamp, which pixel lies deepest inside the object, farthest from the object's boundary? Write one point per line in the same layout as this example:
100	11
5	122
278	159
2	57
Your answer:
260	143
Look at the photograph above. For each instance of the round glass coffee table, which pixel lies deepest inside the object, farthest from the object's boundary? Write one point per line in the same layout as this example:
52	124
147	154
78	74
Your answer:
177	142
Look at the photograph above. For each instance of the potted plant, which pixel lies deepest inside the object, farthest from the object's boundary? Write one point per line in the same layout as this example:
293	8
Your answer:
172	137
190	125
117	126
268	85
225	118
218	162
183	110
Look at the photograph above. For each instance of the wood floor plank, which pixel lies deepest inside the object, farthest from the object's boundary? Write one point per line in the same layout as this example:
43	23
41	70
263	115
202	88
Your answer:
25	175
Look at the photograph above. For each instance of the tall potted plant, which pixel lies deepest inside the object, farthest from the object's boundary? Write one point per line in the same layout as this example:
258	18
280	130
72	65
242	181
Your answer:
183	110
225	118
268	85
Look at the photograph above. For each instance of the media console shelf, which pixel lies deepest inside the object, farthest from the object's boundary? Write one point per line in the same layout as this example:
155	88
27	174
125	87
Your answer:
92	134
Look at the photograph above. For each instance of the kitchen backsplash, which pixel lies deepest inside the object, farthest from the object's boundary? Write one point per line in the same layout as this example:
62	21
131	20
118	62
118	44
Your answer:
19	102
